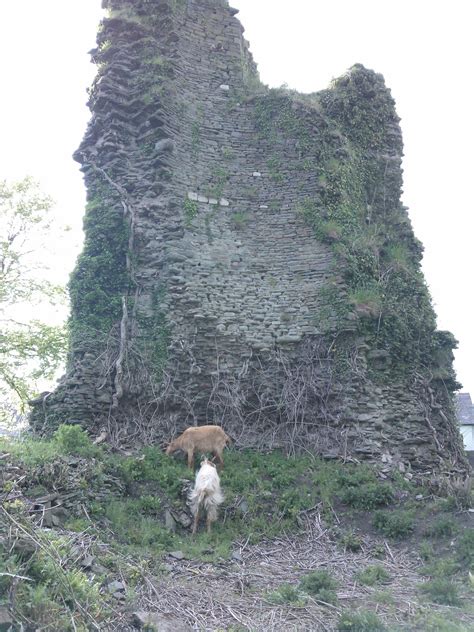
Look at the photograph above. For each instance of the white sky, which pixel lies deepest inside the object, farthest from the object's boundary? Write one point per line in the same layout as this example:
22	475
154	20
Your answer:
424	48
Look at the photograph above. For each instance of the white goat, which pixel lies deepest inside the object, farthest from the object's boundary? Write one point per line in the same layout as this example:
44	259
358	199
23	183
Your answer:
206	493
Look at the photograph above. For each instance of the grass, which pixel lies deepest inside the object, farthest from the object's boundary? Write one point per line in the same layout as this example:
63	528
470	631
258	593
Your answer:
67	440
444	526
368	496
465	549
265	497
286	594
439	623
395	524
442	591
350	541
372	575
320	585
363	621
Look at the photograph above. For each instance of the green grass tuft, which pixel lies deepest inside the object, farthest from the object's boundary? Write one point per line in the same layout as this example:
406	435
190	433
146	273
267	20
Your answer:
373	575
395	524
442	591
363	621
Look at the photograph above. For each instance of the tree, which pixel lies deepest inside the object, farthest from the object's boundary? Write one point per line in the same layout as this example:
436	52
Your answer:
30	349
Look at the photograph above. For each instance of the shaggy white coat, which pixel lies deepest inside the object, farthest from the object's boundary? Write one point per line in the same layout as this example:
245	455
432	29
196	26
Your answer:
206	493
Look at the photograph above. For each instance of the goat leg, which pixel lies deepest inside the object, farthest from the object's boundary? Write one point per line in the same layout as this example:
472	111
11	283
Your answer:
196	520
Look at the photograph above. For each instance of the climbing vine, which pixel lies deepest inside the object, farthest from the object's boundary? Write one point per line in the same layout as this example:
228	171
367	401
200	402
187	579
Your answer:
348	138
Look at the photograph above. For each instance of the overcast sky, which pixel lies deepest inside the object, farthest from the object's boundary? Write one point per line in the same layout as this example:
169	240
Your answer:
423	48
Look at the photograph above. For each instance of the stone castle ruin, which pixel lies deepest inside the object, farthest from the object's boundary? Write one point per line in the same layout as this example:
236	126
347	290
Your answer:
247	259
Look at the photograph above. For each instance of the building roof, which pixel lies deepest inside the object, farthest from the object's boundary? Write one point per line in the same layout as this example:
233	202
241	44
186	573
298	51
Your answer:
465	409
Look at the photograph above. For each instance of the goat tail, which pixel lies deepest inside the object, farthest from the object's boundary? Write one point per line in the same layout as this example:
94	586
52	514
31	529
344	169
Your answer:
213	499
207	498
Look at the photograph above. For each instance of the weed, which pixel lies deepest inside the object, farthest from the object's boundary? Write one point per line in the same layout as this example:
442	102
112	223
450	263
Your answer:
465	548
445	504
131	524
398	256
77	524
443	591
367	299
373	575
395	524
190	208
383	597
351	542
363	621
153	465
426	551
74	440
239	220
441	567
444	526
274	169
286	593
368	496
321	585
437	623
379	551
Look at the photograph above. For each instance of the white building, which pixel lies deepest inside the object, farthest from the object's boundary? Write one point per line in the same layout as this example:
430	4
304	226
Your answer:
465	411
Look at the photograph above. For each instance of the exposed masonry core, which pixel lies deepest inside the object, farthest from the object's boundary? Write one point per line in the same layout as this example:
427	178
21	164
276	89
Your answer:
247	259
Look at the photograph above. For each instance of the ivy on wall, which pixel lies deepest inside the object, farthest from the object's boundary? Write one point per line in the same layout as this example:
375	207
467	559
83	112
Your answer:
348	137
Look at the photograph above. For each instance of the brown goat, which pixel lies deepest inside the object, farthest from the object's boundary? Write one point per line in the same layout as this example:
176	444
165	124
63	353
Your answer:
200	439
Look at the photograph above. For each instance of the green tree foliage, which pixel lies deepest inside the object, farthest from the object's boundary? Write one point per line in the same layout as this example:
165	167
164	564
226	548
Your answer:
30	349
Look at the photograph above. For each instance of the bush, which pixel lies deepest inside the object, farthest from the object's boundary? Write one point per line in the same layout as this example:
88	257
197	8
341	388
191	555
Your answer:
368	496
437	623
286	593
320	585
351	542
373	575
74	440
442	591
441	567
395	524
465	548
153	465
444	526
426	551
363	621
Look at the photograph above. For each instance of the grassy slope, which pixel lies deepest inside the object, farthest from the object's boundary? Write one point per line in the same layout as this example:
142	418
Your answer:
342	546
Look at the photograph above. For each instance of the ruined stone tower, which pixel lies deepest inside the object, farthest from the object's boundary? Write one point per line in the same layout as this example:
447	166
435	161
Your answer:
247	259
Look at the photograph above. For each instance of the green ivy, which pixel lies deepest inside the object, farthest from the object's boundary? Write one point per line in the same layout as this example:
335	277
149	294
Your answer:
100	278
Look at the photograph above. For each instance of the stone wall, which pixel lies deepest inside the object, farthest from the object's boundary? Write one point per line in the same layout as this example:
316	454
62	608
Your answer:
247	259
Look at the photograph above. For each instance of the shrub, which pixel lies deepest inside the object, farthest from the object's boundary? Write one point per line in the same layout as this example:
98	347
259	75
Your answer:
442	526
351	542
363	621
286	593
443	591
373	575
74	440
437	623
153	465
368	496
320	585
443	567
395	524
465	548
383	597
131	525
426	551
